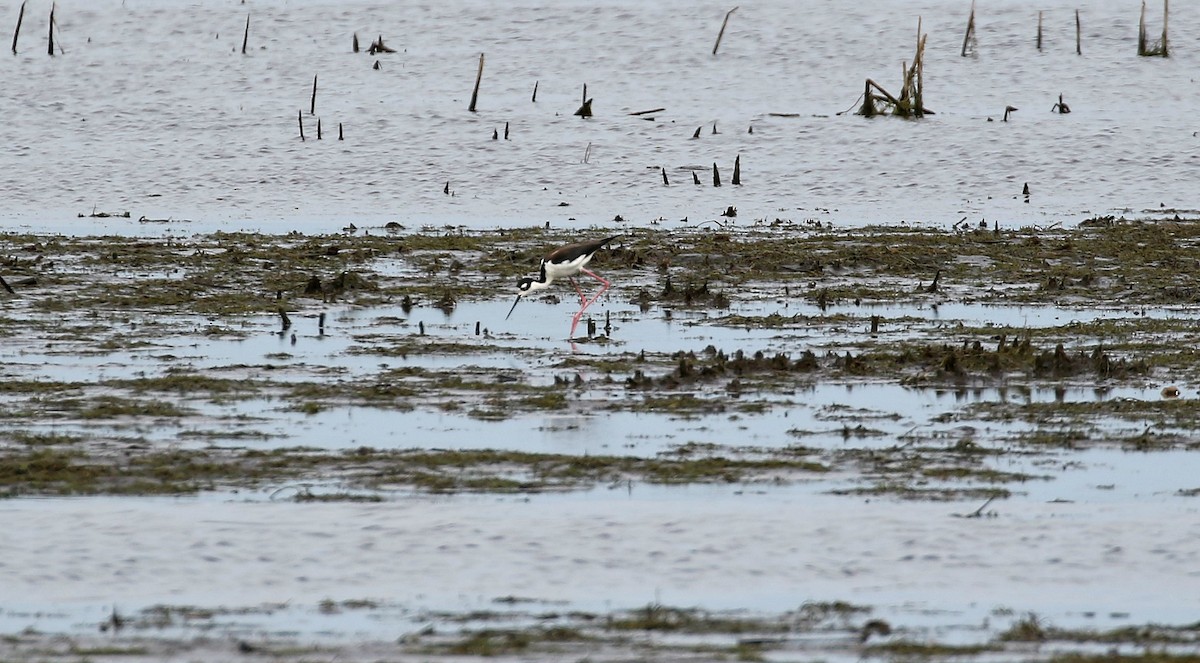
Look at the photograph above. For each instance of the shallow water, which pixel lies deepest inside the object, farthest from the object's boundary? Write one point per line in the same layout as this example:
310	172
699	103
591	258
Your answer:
355	345
152	110
697	546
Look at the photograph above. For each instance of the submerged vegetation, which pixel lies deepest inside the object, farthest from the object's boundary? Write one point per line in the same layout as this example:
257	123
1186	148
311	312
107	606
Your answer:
531	630
177	423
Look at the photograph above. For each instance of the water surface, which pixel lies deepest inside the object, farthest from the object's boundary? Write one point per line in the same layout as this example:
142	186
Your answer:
153	110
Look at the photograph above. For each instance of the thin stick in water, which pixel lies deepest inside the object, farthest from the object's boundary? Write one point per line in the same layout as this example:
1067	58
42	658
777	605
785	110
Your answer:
246	35
969	38
664	174
737	171
355	42
534	99
716	175
312	106
318	128
51	48
340	131
1039	36
17	32
478	78
300	119
722	32
1142	30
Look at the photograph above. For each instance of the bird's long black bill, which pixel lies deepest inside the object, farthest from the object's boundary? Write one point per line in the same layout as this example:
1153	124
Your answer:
513	307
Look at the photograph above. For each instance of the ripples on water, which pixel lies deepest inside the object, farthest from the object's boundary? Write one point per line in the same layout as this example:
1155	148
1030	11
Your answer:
154	110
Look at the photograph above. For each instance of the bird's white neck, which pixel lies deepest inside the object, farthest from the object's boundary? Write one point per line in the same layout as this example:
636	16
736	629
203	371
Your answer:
541	283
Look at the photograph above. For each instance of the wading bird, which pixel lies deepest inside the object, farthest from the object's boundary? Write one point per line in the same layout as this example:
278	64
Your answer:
566	262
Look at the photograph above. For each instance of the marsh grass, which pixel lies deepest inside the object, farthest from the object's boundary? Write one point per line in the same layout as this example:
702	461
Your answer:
94	294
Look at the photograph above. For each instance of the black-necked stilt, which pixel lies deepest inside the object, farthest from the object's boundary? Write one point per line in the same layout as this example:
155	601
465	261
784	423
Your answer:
566	262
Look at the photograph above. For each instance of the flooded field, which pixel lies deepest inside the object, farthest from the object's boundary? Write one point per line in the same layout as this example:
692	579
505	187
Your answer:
896	390
747	456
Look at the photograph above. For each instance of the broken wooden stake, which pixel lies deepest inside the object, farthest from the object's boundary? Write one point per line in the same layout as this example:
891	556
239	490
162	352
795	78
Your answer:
339	131
17	32
695	178
533	99
664	175
969	38
246	35
585	110
318	128
377	46
478	78
716	175
355	46
51	51
284	320
737	171
6	286
722	32
505	131
697	134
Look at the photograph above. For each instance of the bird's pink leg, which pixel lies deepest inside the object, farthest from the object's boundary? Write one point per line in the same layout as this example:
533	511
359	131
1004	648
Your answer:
578	290
587	303
602	289
575	323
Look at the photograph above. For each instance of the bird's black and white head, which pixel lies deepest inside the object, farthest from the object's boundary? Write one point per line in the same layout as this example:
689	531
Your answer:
525	286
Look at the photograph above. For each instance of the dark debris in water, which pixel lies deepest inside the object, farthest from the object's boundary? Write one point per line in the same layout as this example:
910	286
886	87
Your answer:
81	293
